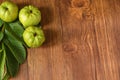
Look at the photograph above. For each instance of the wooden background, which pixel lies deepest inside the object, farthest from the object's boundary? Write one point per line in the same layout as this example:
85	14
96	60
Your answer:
82	41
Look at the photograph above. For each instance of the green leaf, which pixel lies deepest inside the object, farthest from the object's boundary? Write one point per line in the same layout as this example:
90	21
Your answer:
2	63
13	32
12	63
6	77
15	46
1	50
1	35
1	23
17	28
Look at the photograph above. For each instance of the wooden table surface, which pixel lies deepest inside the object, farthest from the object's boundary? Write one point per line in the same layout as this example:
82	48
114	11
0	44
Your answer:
82	41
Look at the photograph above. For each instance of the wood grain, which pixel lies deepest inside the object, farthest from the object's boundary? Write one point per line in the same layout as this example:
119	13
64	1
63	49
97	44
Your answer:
82	41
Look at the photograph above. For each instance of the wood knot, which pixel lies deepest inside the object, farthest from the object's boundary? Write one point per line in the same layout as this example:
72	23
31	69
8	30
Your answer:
81	9
80	3
70	48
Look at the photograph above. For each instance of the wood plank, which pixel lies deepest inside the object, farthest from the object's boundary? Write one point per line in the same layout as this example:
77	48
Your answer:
78	39
105	25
